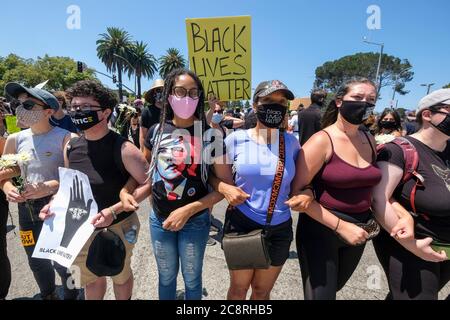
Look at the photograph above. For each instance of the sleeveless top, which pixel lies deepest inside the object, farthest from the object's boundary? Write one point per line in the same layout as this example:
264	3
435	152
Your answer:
101	161
47	153
343	187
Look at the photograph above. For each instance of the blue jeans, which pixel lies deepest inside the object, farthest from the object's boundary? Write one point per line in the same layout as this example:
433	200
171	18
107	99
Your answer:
186	246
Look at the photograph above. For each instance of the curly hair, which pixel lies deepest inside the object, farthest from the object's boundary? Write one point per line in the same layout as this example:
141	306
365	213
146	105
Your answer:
91	88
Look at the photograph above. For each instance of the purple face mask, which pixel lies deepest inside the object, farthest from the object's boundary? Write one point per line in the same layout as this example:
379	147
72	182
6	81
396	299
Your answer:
183	107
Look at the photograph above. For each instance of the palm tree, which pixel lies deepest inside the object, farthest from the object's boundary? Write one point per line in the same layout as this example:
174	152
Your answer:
172	60
143	64
112	47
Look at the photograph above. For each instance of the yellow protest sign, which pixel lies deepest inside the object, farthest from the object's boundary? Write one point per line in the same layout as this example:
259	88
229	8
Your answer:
220	54
11	124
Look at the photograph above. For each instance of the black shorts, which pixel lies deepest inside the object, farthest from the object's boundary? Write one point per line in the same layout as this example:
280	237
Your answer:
279	237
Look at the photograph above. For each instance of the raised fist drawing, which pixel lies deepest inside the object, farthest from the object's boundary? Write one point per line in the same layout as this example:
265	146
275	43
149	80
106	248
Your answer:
77	212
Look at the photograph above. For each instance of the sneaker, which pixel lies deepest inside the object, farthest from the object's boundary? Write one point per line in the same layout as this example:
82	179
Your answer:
213	228
210	242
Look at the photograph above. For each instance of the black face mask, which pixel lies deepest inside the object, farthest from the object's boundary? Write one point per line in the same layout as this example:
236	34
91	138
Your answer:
444	126
271	115
356	112
84	120
388	125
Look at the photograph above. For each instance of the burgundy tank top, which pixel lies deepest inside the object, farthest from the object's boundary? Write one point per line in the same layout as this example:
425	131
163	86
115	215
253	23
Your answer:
343	187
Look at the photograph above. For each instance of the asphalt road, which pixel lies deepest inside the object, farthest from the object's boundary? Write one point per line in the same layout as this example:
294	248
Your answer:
367	283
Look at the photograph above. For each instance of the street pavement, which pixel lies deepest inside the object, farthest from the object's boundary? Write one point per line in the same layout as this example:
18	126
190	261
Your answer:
367	283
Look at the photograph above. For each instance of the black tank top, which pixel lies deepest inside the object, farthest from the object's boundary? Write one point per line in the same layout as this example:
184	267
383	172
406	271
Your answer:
101	161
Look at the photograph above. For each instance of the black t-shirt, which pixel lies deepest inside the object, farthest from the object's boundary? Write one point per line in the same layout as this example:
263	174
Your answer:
150	116
176	181
433	199
308	123
134	133
101	161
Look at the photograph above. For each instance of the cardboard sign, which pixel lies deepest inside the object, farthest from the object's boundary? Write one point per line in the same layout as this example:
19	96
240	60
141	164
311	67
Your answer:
220	54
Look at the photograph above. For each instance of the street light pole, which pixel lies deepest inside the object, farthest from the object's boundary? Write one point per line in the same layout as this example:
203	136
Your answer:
428	85
134	69
378	78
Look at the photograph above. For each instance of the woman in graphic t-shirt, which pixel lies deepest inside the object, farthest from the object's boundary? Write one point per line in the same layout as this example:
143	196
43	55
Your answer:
415	268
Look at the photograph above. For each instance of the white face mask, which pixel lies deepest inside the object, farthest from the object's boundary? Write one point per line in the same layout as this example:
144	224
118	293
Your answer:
217	118
27	118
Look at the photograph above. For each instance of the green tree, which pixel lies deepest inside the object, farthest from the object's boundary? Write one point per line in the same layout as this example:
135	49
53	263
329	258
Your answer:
394	72
447	86
112	48
247	104
173	59
60	71
144	64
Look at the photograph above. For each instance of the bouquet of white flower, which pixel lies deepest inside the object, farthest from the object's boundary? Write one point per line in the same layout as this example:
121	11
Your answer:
21	160
384	138
125	114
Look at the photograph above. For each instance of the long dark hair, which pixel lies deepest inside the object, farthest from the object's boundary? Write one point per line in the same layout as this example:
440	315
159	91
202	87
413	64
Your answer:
168	114
331	114
395	115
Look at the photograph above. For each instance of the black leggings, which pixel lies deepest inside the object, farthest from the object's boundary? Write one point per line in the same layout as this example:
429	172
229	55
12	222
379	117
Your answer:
5	266
326	262
410	277
43	269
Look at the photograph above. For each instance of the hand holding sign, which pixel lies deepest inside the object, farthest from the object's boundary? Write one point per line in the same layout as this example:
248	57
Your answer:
77	211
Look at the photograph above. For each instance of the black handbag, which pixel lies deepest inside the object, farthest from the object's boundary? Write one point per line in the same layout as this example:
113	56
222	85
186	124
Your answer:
250	250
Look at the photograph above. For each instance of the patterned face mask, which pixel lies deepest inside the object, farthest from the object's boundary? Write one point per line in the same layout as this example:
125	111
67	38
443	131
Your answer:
27	118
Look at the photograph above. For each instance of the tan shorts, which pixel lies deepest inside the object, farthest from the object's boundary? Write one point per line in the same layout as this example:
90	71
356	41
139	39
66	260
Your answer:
120	229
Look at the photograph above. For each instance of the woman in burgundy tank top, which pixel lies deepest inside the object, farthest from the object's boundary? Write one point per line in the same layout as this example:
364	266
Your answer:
338	164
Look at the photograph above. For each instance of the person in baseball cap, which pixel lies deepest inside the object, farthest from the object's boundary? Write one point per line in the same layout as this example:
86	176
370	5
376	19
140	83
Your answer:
270	102
35	104
435	109
49	101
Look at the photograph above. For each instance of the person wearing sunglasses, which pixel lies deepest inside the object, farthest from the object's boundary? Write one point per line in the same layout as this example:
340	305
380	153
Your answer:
151	113
415	249
45	145
218	120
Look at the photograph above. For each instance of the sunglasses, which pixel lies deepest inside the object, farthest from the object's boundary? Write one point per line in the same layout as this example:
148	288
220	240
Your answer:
218	111
29	104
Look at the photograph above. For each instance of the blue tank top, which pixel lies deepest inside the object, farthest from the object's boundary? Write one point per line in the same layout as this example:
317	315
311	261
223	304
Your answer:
254	168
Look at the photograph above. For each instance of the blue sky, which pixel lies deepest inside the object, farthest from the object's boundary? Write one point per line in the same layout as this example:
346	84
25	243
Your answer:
289	38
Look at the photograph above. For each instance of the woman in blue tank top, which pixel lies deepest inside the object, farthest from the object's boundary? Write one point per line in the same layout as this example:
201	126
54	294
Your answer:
254	155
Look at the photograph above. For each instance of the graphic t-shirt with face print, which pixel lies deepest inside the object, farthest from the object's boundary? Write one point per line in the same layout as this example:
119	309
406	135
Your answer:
433	199
177	176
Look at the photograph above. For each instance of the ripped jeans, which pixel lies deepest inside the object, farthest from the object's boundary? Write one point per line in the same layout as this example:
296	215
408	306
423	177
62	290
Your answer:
186	246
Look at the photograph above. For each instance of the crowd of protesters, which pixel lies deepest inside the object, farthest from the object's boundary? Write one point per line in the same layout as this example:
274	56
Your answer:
346	172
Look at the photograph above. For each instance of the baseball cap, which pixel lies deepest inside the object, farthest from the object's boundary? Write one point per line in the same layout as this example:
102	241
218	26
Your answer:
438	97
106	256
266	88
14	89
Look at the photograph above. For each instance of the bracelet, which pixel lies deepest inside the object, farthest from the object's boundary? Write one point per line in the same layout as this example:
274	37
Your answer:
337	226
113	213
308	187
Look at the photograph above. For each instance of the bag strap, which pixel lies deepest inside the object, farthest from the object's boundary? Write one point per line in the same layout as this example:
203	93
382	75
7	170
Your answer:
278	179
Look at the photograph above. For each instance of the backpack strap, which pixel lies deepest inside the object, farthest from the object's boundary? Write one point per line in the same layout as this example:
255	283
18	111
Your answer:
411	157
